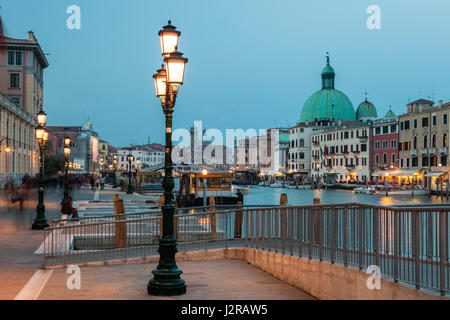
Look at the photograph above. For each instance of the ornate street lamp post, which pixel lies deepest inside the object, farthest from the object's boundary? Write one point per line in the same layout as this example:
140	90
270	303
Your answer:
130	187
40	222
167	279
66	175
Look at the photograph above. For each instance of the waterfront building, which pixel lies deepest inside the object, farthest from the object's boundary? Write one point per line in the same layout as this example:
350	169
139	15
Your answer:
423	136
385	143
22	64
143	157
84	141
299	158
103	154
341	153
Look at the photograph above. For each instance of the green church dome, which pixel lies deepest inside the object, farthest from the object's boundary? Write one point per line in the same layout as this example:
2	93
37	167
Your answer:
366	109
390	114
328	102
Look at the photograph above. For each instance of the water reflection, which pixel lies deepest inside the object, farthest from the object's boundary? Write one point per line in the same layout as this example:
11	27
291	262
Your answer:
259	195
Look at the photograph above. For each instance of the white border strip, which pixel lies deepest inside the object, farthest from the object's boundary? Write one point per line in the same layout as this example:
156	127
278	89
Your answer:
34	286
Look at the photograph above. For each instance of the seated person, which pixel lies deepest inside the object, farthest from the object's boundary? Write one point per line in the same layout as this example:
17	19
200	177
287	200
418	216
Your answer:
68	209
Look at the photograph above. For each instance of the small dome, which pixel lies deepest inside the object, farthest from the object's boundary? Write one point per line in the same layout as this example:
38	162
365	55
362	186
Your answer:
366	110
390	114
328	70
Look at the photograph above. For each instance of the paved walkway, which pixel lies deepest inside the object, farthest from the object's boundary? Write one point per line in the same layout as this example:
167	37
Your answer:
18	242
206	280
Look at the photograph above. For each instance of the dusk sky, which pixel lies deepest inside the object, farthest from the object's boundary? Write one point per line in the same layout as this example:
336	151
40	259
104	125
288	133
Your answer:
252	64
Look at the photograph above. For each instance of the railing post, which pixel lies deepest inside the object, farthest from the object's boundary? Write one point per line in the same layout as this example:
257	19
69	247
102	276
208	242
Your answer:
238	222
246	228
396	243
213	217
319	229
360	236
416	244
291	231
333	234
345	246
310	237
263	226
276	229
376	237
283	229
299	231
442	250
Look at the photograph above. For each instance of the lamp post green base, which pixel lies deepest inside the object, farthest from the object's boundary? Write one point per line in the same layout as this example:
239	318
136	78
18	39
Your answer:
40	222
167	279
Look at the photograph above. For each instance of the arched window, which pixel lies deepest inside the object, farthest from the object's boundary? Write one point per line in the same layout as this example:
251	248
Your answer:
302	142
393	158
433	141
415	143
302	155
444	140
425	141
384	158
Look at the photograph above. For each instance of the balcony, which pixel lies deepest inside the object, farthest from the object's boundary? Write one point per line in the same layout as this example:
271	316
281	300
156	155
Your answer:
443	150
414	152
432	150
316	143
424	151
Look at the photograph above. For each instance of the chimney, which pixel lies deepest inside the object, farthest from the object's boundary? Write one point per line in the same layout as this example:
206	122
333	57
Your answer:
440	103
31	36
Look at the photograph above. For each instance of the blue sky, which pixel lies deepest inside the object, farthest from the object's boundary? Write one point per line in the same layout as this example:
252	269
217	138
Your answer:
252	63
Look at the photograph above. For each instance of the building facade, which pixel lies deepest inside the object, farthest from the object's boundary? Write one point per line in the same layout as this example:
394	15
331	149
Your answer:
299	159
423	136
385	144
341	153
22	64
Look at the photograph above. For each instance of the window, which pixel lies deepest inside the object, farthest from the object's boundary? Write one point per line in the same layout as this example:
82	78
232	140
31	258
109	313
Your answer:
377	145
425	141
401	125
433	141
302	142
415	162
407	125
425	122
385	144
15	58
444	118
377	130
424	161
415	123
393	128
393	144
434	120
401	163
10	58
14	99
415	143
444	140
407	162
14	80
363	147
384	158
393	158
18	58
386	129
377	159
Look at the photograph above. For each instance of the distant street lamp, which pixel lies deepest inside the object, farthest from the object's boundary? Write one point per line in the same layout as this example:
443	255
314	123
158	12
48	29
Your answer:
114	173
66	175
167	279
40	222
130	187
205	201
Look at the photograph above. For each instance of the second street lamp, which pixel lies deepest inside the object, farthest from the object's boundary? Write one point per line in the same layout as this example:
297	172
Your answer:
114	173
130	187
40	222
66	175
167	279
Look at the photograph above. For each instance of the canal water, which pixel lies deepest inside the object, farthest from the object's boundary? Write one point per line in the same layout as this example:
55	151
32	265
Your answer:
259	195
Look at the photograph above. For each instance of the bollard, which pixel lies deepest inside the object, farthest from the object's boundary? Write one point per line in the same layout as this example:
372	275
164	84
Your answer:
238	222
120	228
283	224
212	217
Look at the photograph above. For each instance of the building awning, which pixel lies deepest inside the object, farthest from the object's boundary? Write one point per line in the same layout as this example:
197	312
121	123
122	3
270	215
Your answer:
436	173
396	173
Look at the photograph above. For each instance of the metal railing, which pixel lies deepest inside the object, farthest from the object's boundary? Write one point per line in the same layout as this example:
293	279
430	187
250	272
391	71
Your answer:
410	245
